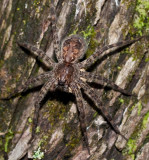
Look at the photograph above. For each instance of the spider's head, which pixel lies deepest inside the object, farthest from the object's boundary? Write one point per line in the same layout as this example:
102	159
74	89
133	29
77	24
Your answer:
73	48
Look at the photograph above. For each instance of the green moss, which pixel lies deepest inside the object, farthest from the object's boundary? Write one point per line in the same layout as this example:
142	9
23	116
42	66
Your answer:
89	34
1	142
73	141
133	156
131	146
145	120
119	68
1	63
92	46
57	112
24	22
30	120
95	114
38	129
121	100
131	108
8	137
132	143
75	31
41	145
141	23
36	2
38	154
147	59
84	28
136	52
8	89
139	108
43	141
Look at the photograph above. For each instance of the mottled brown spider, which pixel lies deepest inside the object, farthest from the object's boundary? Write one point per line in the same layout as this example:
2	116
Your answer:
71	75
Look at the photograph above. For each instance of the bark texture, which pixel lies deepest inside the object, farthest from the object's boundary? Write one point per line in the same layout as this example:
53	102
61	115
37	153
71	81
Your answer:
100	22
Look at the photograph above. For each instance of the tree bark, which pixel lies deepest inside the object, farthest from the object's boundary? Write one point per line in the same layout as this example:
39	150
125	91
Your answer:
58	136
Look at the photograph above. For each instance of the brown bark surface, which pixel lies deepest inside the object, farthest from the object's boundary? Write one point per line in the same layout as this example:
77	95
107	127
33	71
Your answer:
100	22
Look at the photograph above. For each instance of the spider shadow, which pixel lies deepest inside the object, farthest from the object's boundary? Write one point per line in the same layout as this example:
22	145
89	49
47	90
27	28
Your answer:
94	65
95	108
99	86
39	63
59	95
108	88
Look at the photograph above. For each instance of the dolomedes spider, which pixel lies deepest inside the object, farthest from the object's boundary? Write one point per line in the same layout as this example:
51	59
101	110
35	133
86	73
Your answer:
71	75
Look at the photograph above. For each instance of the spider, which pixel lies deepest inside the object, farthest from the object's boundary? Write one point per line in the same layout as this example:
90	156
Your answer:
71	74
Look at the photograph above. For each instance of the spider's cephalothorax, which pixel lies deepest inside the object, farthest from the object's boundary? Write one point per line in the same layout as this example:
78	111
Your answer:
64	74
71	73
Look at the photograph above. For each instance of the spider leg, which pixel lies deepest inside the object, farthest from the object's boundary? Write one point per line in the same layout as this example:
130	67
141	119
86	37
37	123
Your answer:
56	42
76	91
31	83
91	93
86	76
49	86
47	61
105	51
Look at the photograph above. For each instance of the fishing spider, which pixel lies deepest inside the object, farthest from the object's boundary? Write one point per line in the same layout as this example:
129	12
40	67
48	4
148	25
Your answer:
71	75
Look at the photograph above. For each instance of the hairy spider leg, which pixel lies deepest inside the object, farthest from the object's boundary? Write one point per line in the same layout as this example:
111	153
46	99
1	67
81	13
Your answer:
87	77
105	51
45	59
31	83
76	91
48	86
56	41
90	92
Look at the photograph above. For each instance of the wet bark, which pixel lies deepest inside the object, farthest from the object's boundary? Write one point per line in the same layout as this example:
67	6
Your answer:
58	136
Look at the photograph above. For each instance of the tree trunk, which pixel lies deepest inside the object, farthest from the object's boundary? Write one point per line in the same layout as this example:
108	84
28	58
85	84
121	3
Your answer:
100	22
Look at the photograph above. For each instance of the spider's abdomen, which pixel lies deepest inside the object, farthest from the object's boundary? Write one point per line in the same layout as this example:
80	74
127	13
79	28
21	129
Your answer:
64	74
73	48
